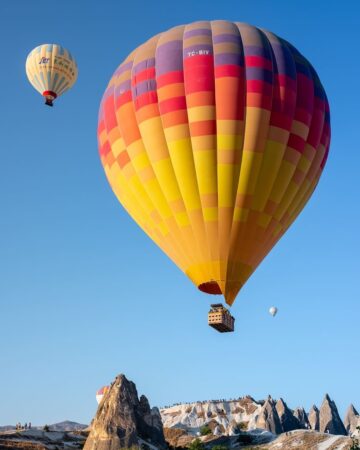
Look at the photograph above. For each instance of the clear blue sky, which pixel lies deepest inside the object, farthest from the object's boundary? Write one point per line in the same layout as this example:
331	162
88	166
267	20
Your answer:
85	295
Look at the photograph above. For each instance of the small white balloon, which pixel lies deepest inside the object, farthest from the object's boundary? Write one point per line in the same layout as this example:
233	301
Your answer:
273	311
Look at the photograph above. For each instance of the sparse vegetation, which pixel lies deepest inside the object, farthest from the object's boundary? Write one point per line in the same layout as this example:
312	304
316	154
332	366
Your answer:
205	430
196	445
46	428
220	447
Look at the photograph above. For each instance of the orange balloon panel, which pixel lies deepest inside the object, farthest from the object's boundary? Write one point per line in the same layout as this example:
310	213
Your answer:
213	137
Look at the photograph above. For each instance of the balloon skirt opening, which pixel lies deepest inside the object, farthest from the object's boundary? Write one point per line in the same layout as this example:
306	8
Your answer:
50	96
210	287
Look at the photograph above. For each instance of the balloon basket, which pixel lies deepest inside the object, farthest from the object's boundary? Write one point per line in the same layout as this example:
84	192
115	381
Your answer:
220	319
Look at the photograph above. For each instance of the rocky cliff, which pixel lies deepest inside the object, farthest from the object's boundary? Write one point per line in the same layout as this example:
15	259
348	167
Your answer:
314	418
287	419
123	420
229	415
352	420
302	417
330	421
268	418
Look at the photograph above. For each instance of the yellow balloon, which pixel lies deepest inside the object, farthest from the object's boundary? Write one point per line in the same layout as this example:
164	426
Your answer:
213	136
52	70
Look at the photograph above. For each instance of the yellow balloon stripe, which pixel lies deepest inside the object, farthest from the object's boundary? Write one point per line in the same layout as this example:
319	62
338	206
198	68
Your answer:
128	190
144	181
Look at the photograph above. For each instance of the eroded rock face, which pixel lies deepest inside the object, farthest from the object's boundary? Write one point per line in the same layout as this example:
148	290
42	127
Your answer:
302	417
288	421
352	419
226	414
123	420
177	437
330	421
314	418
248	414
268	419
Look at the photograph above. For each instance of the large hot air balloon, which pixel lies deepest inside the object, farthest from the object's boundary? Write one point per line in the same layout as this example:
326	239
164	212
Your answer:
213	136
101	392
52	70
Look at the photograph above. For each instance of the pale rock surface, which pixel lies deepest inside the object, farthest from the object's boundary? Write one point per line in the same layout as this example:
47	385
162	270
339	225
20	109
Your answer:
330	421
302	417
306	440
356	432
287	419
352	419
217	431
268	418
314	418
247	414
226	414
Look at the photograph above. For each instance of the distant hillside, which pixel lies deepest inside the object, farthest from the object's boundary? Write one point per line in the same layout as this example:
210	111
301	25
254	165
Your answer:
6	428
67	425
40	440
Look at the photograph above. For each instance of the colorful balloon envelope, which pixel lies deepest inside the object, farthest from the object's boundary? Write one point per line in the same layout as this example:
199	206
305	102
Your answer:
52	70
213	136
101	392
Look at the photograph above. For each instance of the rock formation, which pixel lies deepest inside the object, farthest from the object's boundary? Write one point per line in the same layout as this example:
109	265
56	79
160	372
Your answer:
314	418
302	417
177	437
122	420
151	424
248	414
288	421
268	419
352	419
226	414
330	421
